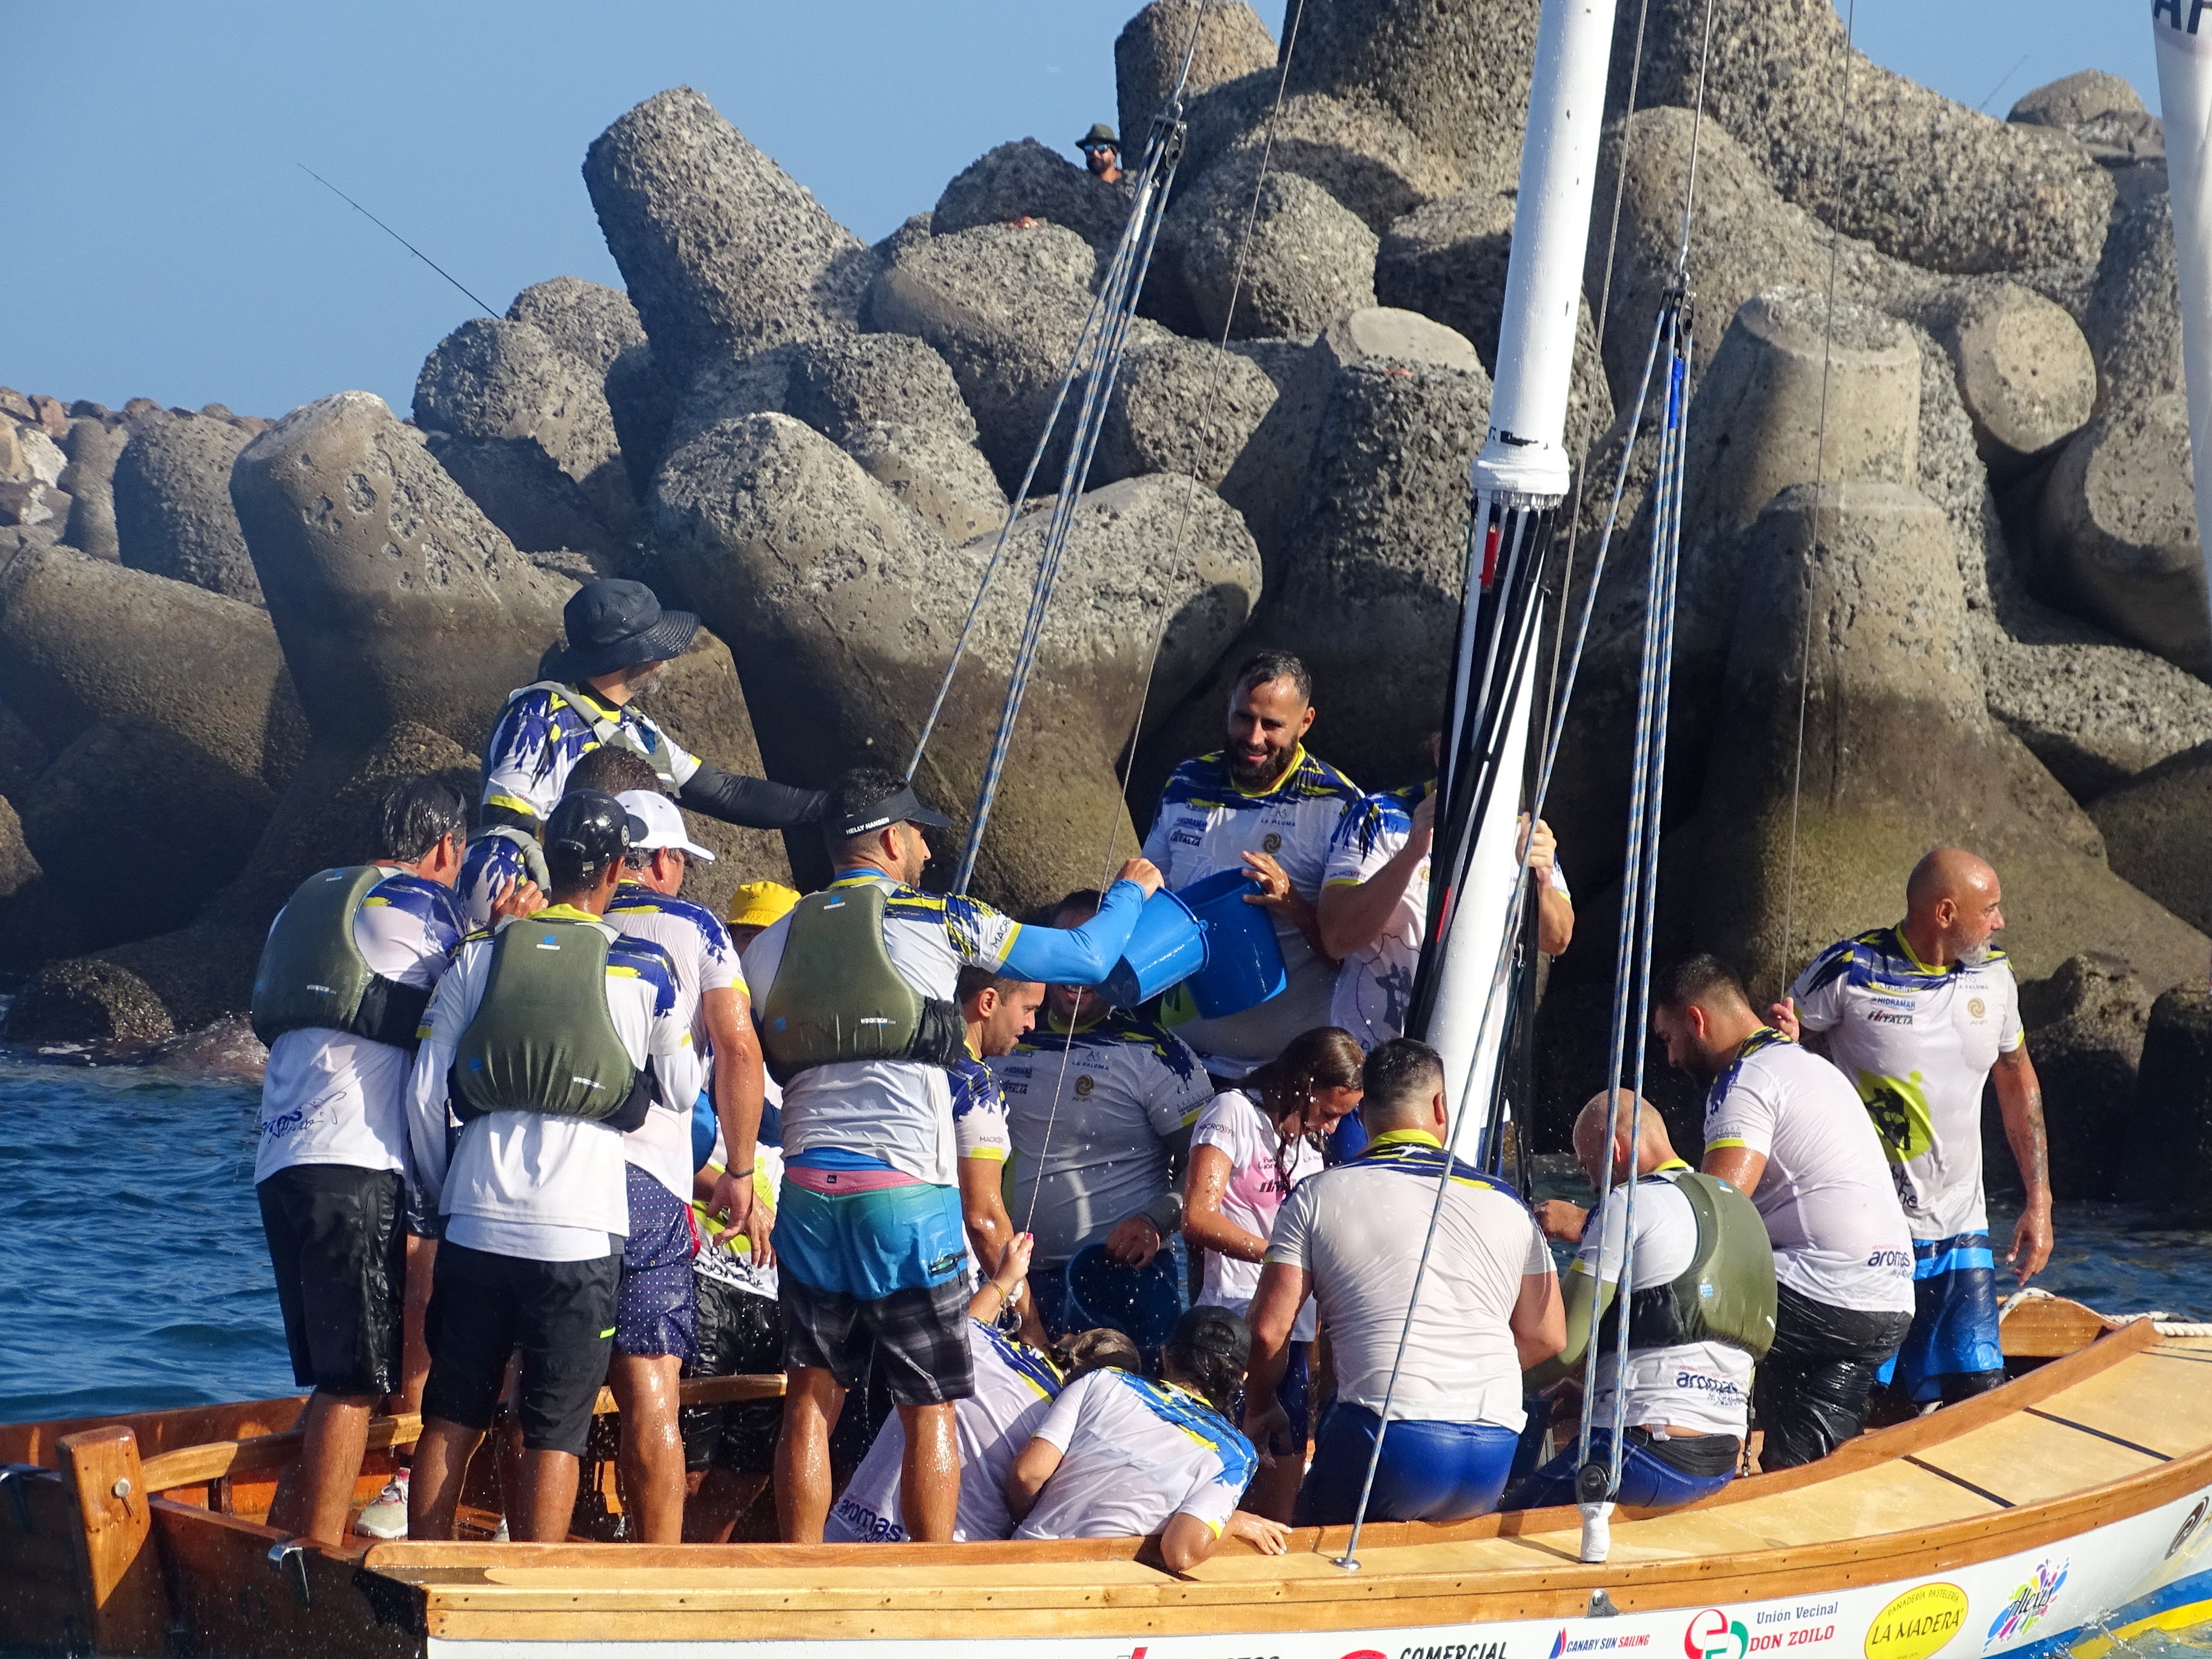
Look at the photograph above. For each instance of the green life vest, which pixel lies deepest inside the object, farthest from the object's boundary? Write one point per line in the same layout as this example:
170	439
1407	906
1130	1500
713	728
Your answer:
837	997
618	732
312	973
541	1039
1725	1294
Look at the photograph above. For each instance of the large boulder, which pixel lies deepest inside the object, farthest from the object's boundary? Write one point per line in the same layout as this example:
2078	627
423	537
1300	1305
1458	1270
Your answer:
1005	307
1027	180
2023	368
1857	584
94	448
1290	266
1455	72
590	322
2158	828
1447	260
172	506
842	606
2133	321
504	382
395	598
1349	144
2085	1034
643	398
522	490
2169	1144
2118	529
721	251
1230	41
175	723
1184	406
2004	197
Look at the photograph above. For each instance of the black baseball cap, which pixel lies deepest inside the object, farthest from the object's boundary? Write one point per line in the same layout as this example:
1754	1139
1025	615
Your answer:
595	829
1209	1329
865	800
612	624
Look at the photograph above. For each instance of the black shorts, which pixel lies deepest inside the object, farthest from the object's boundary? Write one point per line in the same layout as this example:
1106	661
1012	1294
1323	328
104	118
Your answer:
337	1239
655	1313
560	1314
740	1335
919	1336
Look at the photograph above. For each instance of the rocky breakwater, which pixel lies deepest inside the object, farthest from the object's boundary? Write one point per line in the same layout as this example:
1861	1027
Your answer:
1958	497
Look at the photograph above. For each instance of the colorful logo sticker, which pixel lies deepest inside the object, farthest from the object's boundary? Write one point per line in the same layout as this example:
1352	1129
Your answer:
2029	1603
1713	1635
1916	1624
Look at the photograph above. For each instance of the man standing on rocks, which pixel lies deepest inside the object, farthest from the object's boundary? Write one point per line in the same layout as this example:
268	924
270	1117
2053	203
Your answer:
343	978
1919	1016
619	642
1264	806
1101	152
857	1016
1784	1126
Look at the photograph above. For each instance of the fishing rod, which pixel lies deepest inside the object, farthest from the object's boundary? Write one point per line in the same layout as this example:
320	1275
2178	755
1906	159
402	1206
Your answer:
397	237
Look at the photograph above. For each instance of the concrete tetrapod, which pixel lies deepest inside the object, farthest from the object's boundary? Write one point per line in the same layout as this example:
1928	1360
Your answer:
1148	54
1859	583
720	249
842	606
172	506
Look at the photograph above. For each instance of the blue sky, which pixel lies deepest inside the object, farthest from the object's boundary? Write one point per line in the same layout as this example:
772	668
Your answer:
163	242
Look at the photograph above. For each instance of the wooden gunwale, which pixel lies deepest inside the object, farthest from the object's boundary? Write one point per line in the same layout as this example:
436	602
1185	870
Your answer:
919	1591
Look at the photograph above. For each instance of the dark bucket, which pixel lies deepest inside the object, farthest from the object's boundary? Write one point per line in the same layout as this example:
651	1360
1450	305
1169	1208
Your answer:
1143	1304
1167	946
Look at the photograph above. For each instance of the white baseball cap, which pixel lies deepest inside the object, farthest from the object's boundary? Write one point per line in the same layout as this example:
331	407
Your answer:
663	823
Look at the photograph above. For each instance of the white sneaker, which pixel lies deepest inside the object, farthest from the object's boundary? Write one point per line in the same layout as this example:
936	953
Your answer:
387	1516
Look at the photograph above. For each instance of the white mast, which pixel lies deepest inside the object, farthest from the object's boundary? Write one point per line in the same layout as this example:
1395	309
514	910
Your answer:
1520	477
2184	97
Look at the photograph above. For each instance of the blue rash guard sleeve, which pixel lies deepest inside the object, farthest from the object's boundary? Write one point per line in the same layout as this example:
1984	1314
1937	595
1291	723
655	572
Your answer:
1078	956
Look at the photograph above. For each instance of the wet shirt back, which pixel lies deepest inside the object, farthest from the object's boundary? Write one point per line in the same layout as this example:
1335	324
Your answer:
1135	1454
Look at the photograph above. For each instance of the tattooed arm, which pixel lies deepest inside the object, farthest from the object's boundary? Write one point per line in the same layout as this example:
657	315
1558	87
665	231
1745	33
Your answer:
2019	1100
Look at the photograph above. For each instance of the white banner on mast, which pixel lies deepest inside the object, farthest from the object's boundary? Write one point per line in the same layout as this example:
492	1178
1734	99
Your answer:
2182	31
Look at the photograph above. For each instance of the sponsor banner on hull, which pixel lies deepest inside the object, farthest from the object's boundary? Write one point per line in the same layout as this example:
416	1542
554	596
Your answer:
2022	1605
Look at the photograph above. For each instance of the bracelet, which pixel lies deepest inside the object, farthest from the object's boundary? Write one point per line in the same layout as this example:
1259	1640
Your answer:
739	1174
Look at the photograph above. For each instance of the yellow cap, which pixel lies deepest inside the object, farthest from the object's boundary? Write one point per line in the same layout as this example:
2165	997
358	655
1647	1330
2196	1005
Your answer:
758	903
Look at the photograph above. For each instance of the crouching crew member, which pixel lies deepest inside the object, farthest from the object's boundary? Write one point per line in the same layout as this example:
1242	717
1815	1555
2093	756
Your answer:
1700	1311
856	1017
1100	1101
1252	1147
1015	1386
345	974
551	1036
1353	1238
1118	1456
1784	1126
619	643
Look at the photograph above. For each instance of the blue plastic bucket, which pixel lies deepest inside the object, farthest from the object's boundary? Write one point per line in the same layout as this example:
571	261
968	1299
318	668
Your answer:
1167	945
1143	1304
1244	958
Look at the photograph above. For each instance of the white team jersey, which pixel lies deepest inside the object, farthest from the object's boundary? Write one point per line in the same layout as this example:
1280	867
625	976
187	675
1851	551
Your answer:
1207	823
1089	1114
718	1257
1357	1229
1262	1172
1015	1387
706	960
541	735
1702	1386
1839	1238
332	1097
1375	987
1137	1453
900	1111
526	1170
1918	1043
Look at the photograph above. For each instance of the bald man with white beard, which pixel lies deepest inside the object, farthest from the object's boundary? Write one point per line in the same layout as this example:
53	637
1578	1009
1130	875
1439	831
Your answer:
1918	1016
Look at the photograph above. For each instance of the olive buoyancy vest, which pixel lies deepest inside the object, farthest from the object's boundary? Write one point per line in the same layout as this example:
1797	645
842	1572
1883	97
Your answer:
1726	1294
619	732
541	1039
837	997
313	974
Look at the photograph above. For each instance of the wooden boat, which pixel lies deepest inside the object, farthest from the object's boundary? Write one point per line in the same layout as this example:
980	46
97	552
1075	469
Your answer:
2072	1506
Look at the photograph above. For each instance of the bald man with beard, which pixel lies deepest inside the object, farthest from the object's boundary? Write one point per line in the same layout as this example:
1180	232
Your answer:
1918	1016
